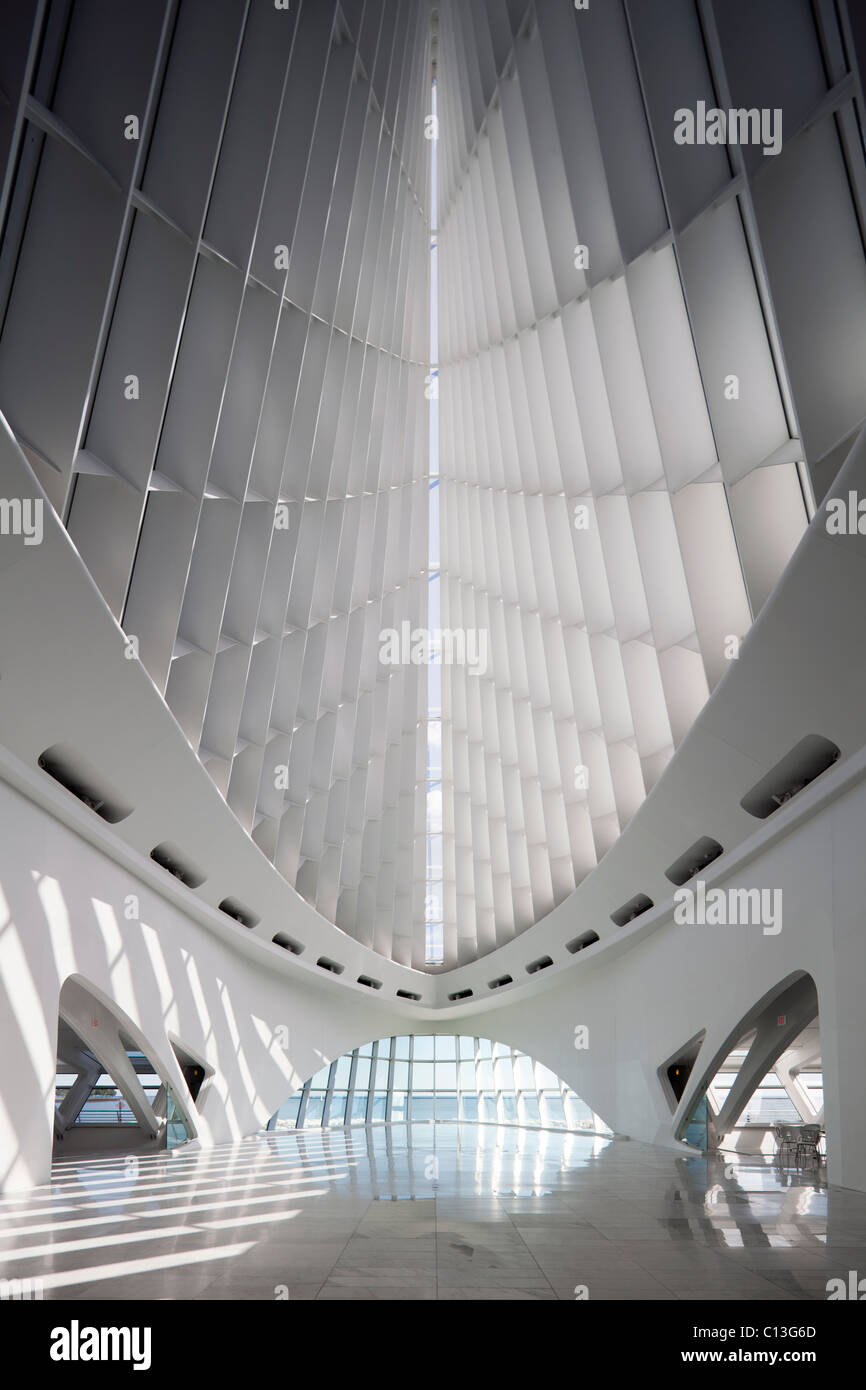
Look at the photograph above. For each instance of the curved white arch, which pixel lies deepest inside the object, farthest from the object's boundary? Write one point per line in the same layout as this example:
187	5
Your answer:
100	1023
391	1087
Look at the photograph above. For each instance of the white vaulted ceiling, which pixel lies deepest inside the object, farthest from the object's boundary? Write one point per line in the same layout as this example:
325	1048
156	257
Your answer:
588	486
258	512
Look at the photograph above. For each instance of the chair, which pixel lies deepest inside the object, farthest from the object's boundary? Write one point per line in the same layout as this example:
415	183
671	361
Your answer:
807	1144
786	1138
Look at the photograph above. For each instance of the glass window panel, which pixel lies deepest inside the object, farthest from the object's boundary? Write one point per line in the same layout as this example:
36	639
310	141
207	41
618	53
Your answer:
813	1084
422	1076
434	808
337	1108
770	1104
433	610
434	903
105	1104
529	1111
443	1065
380	1100
434	527
315	1110
341	1075
523	1077
504	1073
434	749
469	1107
287	1117
578	1113
552	1109
434	857
466	1076
434	943
434	681
485	1075
446	1107
422	1107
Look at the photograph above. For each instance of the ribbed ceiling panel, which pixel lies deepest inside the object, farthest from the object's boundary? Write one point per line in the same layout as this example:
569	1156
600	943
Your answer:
219	379
586	498
253	505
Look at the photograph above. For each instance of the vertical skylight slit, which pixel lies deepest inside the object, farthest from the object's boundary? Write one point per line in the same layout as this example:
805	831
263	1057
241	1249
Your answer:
434	914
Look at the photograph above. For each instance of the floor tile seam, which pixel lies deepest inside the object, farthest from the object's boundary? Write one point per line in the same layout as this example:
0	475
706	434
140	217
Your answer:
345	1244
668	1274
519	1234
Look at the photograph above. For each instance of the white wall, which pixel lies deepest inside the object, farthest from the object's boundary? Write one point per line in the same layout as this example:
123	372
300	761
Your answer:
62	913
62	906
643	1006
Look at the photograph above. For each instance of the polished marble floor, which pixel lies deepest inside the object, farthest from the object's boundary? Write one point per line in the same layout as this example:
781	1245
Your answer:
431	1212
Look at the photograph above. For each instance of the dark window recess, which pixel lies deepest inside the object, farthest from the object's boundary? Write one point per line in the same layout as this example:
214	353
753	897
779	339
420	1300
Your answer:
806	761
541	964
407	994
78	777
232	908
287	943
460	994
193	1071
678	1075
172	860
503	980
633	908
696	857
325	964
369	982
580	943
193	1076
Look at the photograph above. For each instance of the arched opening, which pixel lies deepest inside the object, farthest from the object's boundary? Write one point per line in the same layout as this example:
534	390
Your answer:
763	1093
111	1094
437	1078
